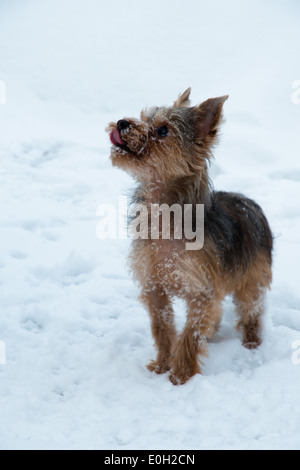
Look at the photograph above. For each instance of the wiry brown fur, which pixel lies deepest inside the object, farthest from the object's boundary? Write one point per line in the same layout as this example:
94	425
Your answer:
237	253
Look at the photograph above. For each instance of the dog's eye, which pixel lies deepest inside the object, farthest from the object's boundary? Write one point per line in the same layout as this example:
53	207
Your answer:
162	131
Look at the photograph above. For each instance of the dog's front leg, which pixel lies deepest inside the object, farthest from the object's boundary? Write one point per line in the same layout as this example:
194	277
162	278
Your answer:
163	327
203	313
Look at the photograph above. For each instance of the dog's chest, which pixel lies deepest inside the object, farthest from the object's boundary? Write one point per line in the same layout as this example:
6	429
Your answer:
158	261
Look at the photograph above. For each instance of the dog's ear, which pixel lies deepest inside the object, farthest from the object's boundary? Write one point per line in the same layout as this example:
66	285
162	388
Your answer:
209	117
183	101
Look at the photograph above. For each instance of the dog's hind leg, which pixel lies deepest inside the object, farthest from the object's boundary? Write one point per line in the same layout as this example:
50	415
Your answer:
250	308
249	300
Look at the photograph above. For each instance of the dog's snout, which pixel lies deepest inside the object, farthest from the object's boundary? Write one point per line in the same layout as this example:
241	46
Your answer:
122	124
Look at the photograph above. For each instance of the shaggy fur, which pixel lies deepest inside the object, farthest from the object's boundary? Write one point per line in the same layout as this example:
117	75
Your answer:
167	151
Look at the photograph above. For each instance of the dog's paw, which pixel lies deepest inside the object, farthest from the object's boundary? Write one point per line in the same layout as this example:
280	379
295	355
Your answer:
251	344
175	380
158	367
180	378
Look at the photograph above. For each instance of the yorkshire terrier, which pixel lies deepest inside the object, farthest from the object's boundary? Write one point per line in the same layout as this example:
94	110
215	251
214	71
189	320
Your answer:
167	151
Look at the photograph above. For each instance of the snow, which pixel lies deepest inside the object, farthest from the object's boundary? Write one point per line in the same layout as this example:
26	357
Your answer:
76	337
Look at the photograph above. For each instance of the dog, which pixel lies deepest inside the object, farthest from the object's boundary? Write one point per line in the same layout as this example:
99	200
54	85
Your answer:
167	151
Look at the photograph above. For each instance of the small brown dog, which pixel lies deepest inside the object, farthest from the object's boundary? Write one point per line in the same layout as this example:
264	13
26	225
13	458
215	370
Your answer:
167	151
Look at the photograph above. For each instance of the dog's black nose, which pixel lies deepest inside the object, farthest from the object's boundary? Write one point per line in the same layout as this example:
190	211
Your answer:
122	124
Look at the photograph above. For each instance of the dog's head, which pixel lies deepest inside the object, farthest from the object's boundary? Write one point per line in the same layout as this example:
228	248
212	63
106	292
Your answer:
167	142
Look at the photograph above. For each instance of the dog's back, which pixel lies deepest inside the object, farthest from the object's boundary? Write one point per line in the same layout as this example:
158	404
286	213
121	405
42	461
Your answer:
239	229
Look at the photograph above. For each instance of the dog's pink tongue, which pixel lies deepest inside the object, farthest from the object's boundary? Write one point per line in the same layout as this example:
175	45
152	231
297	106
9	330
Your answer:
116	138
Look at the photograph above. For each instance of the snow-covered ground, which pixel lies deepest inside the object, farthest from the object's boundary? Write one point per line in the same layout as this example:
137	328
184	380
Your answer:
77	340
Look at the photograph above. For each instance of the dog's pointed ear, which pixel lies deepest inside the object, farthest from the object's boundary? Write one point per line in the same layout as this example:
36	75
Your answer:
183	100
210	114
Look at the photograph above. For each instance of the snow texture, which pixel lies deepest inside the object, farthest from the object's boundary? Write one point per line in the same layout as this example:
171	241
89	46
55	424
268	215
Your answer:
76	337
